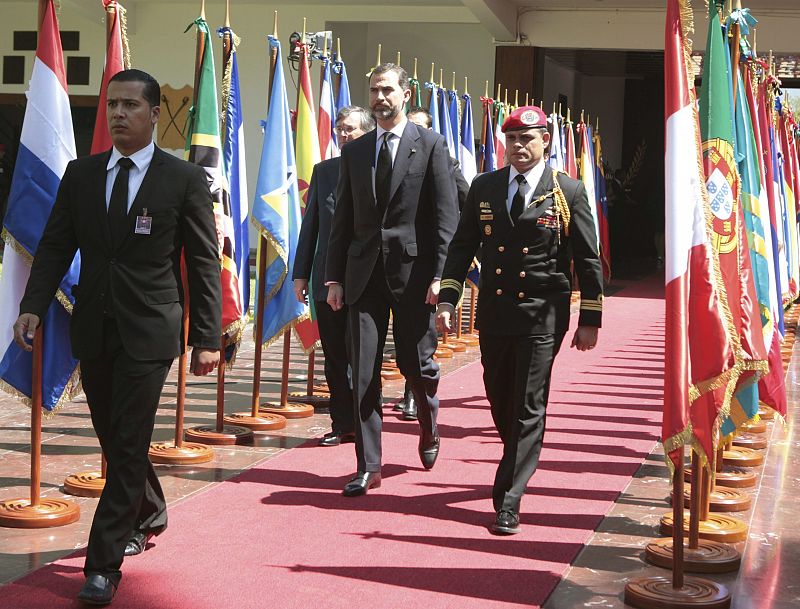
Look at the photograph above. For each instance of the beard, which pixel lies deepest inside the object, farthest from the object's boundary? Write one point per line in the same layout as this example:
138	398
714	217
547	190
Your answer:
385	112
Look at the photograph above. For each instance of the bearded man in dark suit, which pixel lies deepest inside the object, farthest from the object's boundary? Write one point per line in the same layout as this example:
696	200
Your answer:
396	212
131	212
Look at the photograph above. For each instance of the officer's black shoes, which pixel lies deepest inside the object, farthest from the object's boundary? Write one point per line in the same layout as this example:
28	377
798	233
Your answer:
362	482
409	408
428	452
97	590
334	438
506	523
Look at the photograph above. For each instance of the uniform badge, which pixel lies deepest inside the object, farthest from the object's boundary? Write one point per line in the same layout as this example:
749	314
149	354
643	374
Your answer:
489	217
487	229
144	224
483	204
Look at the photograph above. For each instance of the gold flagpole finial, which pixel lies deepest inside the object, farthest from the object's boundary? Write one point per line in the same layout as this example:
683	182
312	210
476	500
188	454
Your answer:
202	9
559	107
497	98
441	77
569	119
432	72
415	69
581	115
554	107
516	98
486	89
526	100
397	63
466	91
597	125
275	25
377	63
227	13
453	88
325	46
505	98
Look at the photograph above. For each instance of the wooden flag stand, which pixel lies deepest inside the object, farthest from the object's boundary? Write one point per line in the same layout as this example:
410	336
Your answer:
285	408
700	555
219	433
662	592
317	395
35	512
470	338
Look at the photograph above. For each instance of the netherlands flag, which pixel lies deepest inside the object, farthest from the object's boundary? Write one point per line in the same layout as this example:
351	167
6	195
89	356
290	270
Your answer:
469	166
46	146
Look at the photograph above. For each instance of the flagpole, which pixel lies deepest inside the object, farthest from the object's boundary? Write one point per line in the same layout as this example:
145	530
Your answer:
255	420
219	433
285	408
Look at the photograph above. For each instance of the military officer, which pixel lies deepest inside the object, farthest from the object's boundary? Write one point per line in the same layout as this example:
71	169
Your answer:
531	223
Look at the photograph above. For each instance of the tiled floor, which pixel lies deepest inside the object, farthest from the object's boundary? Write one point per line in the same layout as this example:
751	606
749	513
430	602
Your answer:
771	555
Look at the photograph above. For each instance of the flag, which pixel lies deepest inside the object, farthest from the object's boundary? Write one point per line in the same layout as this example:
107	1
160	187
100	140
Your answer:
474	273
570	161
343	94
326	127
555	157
433	107
499	136
487	145
233	162
728	232
454	124
787	184
276	212
115	62
586	173
204	148
445	123
697	352
601	193
416	94
46	146
469	167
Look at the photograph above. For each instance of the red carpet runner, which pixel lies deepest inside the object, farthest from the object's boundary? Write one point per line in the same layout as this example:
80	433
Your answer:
281	534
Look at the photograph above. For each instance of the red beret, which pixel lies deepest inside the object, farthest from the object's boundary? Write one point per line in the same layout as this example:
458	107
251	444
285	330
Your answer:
525	117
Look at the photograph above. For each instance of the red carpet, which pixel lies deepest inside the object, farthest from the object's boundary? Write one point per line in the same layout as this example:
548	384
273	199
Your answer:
281	535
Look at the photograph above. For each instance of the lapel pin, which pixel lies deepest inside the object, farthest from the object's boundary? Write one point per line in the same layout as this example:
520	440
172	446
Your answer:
413	150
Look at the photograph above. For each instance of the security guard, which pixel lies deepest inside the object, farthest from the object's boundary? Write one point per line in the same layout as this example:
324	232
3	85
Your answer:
531	222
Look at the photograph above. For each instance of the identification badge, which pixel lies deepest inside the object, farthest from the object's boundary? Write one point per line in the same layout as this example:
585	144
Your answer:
487	216
144	224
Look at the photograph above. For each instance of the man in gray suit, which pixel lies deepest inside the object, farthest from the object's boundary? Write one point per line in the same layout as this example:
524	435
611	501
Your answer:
396	211
309	264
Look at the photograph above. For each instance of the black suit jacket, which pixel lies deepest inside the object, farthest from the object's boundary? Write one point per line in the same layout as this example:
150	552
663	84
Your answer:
140	277
312	244
526	280
412	234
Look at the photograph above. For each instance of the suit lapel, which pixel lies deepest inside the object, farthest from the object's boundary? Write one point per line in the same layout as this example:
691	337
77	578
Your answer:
499	200
405	152
99	195
544	186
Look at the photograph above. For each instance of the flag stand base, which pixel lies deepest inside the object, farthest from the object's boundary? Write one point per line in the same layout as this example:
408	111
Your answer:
767	414
443	352
189	453
265	422
49	512
85	484
226	436
750	440
732	477
658	593
722	499
290	410
317	400
707	557
469	340
742	457
717	527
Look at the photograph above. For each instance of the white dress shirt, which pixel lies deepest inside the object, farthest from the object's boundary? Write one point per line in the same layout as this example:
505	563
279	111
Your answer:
141	162
532	177
393	143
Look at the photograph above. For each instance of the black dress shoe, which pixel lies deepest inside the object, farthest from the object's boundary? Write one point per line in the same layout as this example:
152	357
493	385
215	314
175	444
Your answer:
334	438
362	482
410	408
428	452
97	590
506	523
138	542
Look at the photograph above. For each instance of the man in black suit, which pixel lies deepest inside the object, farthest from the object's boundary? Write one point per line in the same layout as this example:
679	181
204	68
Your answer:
130	212
309	263
396	212
532	222
421	117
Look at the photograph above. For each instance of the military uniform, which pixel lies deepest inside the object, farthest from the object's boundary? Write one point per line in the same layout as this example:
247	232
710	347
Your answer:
524	303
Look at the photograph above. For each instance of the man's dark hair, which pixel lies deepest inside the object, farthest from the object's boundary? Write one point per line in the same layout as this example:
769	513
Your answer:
420	110
152	90
402	75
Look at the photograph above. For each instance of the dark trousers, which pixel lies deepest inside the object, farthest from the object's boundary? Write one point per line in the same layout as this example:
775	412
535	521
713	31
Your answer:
415	343
123	396
333	334
516	374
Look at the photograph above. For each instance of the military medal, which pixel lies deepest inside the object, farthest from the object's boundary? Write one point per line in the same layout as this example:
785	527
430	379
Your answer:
487	229
144	223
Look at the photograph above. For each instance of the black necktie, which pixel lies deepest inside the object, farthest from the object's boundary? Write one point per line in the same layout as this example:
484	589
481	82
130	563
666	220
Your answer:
518	202
383	174
118	204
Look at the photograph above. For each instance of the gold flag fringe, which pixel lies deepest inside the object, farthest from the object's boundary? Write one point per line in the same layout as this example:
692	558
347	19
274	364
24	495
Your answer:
122	15
72	388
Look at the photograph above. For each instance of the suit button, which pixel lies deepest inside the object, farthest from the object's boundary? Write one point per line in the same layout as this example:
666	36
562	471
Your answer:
524	250
499	292
501	249
498	271
112	261
521	295
522	273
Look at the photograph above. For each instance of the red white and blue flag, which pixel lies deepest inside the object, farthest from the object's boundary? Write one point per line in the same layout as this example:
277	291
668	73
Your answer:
326	123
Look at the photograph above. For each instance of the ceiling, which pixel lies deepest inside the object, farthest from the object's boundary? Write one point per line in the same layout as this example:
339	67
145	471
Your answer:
594	62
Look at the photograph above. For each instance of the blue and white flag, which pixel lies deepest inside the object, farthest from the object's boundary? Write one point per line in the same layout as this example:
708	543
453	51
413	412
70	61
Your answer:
454	126
46	146
469	166
556	156
487	146
433	108
445	127
343	95
276	212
